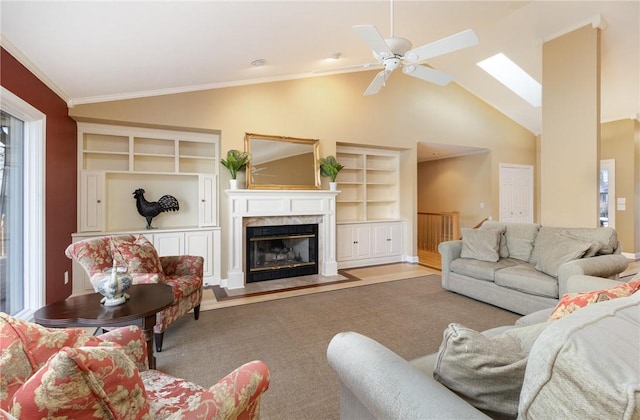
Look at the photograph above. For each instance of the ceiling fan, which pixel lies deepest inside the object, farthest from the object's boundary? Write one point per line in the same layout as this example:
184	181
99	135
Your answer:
393	53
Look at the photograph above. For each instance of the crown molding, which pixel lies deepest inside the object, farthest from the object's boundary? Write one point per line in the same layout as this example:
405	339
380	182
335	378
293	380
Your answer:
35	70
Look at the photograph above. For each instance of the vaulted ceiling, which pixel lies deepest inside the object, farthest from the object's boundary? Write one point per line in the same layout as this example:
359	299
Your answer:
92	51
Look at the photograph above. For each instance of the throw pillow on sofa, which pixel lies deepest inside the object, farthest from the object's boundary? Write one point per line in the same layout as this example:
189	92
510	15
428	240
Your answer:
140	257
561	250
91	382
571	302
486	371
503	251
480	244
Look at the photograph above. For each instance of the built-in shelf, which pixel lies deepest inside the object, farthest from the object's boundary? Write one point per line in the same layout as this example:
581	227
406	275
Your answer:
368	184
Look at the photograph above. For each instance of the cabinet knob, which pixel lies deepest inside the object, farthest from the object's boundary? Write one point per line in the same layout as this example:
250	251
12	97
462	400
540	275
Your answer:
203	200
99	201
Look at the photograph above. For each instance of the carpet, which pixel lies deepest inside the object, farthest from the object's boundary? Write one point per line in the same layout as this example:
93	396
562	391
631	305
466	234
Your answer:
291	336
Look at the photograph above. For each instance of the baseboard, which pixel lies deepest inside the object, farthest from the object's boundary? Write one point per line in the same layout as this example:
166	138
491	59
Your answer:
413	259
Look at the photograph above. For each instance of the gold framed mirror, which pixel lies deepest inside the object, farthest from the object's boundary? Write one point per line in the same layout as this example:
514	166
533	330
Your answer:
282	163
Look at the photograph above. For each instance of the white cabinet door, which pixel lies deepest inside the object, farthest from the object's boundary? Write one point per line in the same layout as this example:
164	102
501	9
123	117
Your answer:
91	215
200	244
353	242
169	244
380	240
363	241
394	232
345	238
387	239
208	193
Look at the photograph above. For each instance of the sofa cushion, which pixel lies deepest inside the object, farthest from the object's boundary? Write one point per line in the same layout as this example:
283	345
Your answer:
572	301
586	365
139	256
560	250
486	371
525	278
480	244
483	270
520	237
83	382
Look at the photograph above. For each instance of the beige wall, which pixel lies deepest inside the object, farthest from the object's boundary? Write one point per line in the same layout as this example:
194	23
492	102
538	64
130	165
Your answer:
618	142
570	140
333	109
457	184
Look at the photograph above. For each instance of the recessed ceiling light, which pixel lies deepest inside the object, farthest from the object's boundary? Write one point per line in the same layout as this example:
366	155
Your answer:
259	62
335	56
514	77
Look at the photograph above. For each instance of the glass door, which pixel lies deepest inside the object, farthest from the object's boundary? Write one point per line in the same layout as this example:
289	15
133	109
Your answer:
11	214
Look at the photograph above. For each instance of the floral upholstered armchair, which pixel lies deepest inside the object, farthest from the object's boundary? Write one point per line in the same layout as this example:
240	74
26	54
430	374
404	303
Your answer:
182	273
68	373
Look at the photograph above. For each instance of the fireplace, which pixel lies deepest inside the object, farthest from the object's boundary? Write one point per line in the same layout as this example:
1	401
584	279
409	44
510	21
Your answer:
281	251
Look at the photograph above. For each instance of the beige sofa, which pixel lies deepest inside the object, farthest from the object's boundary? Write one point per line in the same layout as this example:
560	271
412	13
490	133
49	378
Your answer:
524	267
583	366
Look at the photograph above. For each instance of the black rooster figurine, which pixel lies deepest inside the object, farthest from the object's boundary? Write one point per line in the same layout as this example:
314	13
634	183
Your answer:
150	210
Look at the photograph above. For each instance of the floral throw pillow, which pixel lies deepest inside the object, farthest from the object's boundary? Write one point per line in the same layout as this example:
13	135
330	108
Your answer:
570	302
84	382
140	257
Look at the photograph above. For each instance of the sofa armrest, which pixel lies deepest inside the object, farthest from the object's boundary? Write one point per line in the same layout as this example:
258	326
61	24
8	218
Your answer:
581	283
237	395
449	251
607	266
132	341
377	383
183	265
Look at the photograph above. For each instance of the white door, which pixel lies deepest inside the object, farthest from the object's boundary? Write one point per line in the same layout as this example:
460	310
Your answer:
516	193
608	193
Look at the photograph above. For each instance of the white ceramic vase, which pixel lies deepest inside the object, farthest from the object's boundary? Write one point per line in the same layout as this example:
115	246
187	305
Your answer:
233	184
333	186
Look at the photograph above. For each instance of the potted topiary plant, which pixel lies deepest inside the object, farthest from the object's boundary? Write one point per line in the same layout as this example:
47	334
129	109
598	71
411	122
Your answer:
236	161
330	167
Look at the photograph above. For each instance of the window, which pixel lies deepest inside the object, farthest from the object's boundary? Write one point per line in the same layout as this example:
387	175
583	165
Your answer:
21	207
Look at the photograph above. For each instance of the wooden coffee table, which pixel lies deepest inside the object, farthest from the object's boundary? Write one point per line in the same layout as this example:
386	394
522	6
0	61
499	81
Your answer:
86	311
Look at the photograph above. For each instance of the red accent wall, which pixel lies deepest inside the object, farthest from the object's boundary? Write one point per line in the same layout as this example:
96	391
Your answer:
60	170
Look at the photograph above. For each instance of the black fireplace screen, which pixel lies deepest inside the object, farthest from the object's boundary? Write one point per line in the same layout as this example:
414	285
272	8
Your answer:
275	252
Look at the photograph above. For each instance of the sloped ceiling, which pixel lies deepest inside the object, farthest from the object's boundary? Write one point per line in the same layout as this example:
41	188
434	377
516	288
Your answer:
93	51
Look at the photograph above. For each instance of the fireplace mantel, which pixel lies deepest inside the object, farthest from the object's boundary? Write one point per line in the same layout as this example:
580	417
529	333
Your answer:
280	203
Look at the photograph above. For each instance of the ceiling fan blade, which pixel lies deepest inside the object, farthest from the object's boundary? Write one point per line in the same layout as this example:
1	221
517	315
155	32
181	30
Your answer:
376	84
354	67
372	37
427	73
446	45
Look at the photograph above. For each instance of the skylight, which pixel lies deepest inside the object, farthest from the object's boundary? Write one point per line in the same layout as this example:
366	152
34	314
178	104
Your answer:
512	76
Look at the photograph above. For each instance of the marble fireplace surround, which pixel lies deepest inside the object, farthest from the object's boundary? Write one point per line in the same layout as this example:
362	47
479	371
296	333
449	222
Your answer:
279	207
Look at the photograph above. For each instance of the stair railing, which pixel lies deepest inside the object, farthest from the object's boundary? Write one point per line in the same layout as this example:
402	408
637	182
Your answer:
434	228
